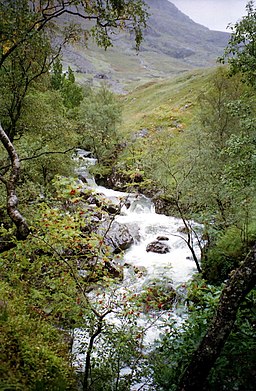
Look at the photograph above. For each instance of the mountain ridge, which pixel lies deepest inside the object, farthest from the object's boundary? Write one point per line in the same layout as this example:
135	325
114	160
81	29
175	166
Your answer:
173	43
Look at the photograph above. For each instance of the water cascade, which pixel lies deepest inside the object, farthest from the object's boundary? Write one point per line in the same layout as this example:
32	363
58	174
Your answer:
173	267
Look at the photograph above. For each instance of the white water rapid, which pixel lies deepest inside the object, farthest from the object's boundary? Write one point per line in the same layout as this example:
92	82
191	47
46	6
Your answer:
144	268
177	265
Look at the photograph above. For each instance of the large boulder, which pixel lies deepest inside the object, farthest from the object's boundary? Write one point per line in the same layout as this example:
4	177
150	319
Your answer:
117	236
158	247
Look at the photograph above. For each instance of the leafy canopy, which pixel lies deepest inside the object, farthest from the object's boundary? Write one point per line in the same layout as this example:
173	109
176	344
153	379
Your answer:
241	50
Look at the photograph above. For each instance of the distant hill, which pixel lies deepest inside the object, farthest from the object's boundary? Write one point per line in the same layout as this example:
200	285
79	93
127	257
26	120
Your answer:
173	43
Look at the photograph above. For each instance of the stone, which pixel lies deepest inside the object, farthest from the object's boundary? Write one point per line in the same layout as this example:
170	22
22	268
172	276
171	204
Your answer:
117	236
162	238
158	247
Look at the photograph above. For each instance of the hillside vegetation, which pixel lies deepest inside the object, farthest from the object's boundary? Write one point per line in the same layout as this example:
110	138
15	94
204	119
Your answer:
170	103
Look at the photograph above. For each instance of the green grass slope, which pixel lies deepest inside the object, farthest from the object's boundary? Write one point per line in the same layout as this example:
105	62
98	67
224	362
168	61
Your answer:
170	103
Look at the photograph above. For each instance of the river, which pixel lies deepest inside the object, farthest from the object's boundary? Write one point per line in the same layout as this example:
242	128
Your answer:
143	268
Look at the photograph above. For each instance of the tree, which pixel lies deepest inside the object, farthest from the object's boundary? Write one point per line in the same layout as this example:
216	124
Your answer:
241	50
71	92
215	125
47	146
241	282
57	74
220	182
22	23
18	75
243	279
99	114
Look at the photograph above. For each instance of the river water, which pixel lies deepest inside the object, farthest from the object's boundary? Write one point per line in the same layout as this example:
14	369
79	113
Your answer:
176	265
143	268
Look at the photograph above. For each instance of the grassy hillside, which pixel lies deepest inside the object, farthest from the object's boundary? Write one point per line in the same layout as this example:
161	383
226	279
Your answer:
164	104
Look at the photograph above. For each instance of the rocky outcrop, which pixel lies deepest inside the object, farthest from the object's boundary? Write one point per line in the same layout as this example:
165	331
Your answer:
101	202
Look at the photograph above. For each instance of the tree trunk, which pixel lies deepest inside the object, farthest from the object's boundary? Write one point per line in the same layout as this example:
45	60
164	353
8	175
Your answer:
241	282
10	183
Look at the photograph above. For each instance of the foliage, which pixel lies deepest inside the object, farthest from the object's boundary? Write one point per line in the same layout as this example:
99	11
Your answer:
221	175
180	339
52	275
20	55
234	367
226	253
224	256
34	353
71	92
57	75
60	279
48	144
99	114
113	15
240	52
117	359
18	74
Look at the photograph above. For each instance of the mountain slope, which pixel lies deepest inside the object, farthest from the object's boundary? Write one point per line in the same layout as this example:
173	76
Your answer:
173	43
167	104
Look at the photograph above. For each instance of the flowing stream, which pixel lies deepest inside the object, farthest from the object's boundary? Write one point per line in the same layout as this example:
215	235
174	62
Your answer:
176	265
143	268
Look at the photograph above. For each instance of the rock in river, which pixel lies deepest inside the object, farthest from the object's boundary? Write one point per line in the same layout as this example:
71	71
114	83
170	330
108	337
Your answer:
116	235
158	247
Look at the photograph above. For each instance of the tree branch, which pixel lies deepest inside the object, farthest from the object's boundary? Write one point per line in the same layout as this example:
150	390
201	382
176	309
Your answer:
36	157
10	184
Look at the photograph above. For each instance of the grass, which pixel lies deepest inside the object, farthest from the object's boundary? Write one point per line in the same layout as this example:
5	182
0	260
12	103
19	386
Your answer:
169	103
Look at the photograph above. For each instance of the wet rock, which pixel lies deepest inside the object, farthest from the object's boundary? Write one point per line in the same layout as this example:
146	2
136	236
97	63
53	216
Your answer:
117	180
91	271
162	238
158	247
134	231
162	206
100	201
111	209
114	270
117	236
82	178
